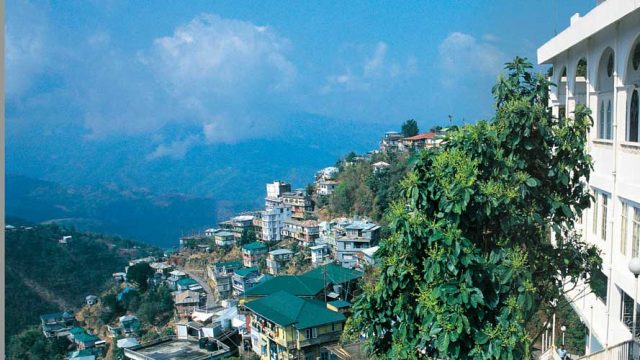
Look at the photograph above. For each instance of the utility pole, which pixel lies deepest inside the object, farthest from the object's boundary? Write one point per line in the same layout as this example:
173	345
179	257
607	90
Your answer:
324	279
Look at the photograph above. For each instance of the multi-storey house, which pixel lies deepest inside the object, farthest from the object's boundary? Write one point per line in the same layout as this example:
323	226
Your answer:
596	63
220	275
252	253
305	232
277	260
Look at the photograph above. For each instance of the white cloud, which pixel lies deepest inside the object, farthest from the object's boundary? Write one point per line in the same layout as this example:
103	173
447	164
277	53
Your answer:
462	56
211	73
176	149
376	69
227	55
26	52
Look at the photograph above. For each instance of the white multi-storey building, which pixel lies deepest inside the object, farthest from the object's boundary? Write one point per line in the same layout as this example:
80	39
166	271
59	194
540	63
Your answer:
273	221
596	62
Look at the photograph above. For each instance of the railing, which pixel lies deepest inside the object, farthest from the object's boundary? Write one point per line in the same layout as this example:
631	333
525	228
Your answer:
628	350
550	354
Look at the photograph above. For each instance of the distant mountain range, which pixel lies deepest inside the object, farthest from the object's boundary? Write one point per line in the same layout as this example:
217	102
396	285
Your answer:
113	186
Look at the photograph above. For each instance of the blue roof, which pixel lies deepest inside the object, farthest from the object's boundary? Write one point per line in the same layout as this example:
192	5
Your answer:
123	292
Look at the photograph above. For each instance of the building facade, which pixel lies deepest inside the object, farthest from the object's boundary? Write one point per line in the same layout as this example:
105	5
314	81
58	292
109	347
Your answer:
273	221
277	260
596	63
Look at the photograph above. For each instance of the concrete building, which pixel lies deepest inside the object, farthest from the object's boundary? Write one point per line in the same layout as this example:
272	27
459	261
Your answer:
284	326
391	141
305	232
320	253
252	253
273	221
326	187
278	260
300	202
220	275
596	62
356	236
274	193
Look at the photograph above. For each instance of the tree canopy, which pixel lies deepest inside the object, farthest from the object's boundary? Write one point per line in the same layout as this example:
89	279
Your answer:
470	259
410	128
139	274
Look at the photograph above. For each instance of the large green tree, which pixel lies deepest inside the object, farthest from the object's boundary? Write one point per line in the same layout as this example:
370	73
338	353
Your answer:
470	260
139	274
410	128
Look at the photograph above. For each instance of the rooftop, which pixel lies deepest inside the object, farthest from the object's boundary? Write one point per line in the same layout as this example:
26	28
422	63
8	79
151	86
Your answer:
286	309
254	246
232	263
280	252
340	304
186	282
224	233
246	271
173	349
336	274
429	135
298	285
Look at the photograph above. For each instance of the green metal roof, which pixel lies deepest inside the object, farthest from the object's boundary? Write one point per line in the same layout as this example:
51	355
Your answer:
232	263
336	274
340	304
254	246
80	335
297	285
285	309
246	271
186	282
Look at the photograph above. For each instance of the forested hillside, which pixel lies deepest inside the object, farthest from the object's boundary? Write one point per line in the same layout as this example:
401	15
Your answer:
44	275
363	191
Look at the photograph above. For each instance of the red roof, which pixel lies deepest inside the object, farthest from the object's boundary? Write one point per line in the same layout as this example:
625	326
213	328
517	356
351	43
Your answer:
428	135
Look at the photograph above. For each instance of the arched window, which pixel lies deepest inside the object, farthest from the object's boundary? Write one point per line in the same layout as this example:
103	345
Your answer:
609	124
601	121
632	133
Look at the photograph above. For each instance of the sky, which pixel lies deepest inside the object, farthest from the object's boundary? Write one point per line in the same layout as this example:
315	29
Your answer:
187	73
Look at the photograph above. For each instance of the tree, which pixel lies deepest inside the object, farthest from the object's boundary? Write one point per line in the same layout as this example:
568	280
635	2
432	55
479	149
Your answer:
248	236
139	274
410	128
470	260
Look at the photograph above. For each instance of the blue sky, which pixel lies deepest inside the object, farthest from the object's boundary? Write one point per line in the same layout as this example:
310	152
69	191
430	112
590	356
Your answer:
200	72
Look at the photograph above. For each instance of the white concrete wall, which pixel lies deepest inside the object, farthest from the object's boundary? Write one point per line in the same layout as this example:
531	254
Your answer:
616	161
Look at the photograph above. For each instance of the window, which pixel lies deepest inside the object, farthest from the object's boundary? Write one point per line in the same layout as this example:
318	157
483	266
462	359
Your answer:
311	333
599	283
601	121
635	231
603	228
632	133
623	229
609	124
610	65
324	355
333	327
594	207
635	60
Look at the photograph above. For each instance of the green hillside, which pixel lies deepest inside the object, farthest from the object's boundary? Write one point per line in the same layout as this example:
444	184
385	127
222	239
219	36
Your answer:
43	275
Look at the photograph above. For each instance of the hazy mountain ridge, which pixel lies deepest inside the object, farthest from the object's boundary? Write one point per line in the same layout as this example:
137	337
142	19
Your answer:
112	186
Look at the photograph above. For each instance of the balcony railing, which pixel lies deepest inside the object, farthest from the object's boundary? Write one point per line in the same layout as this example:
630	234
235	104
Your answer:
628	350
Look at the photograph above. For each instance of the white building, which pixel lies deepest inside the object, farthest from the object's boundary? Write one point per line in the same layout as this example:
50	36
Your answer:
274	193
596	63
272	222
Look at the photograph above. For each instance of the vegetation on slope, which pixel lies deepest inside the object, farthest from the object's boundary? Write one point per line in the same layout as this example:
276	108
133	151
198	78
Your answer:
43	275
469	262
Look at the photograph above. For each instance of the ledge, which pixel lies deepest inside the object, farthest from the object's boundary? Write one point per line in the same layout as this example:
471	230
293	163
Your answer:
602	142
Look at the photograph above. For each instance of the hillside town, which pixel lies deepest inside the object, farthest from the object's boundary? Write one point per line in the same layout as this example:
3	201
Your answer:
274	284
280	282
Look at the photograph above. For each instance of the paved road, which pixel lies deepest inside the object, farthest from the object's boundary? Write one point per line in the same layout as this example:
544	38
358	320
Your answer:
210	298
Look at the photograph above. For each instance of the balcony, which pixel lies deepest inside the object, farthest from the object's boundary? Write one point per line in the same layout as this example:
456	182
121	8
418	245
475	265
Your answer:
321	339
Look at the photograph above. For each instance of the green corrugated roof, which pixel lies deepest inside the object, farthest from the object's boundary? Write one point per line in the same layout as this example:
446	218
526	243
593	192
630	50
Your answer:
298	285
336	274
186	282
246	271
79	334
340	304
254	246
285	309
232	263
